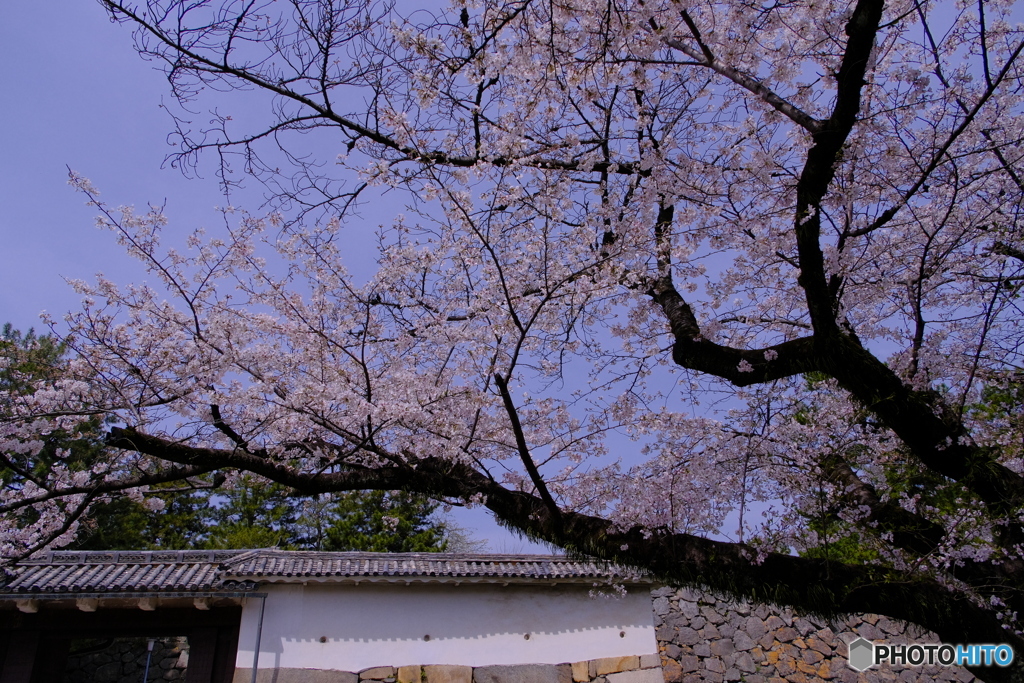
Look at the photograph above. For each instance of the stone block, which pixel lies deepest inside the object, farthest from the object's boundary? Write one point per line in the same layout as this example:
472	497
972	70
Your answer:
804	626
641	676
806	668
580	672
650	661
745	663
742	641
786	634
673	651
754	627
665	632
608	665
785	667
710	632
295	676
409	674
722	647
673	673
688	609
702	650
523	673
689	664
733	674
377	673
448	673
714	664
108	672
661	606
889	626
711	615
870	632
687	636
819	646
676	620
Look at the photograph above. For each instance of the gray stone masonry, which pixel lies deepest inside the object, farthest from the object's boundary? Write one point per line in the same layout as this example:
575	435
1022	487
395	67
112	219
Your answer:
703	639
124	661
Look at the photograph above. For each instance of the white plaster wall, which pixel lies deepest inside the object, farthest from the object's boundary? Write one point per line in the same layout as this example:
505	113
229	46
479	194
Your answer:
474	625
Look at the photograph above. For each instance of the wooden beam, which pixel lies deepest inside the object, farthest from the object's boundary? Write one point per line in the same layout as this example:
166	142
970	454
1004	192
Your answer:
21	657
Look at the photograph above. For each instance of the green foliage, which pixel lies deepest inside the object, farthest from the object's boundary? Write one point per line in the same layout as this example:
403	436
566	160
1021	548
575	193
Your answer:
252	515
26	359
124	524
851	549
379	521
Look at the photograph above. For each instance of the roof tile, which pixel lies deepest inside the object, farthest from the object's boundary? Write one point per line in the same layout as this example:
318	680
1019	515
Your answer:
187	570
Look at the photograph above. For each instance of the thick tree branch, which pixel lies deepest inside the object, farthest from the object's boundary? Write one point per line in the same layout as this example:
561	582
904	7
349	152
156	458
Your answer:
921	537
930	430
820	166
742	367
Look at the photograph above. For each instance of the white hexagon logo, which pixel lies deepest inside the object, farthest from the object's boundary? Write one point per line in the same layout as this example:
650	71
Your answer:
862	654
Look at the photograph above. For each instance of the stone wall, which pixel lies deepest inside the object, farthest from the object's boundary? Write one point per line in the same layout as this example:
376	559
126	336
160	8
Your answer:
124	661
706	640
635	669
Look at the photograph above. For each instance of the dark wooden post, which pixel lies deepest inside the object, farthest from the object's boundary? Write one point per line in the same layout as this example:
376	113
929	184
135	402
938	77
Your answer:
227	653
21	657
51	660
202	653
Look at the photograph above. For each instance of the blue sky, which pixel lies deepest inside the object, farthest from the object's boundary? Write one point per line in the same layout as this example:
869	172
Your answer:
77	96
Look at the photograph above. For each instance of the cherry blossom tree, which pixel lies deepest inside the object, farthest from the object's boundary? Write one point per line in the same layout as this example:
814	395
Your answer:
661	266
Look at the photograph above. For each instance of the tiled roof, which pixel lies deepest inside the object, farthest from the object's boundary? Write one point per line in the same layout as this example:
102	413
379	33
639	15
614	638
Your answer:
118	572
166	571
284	565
